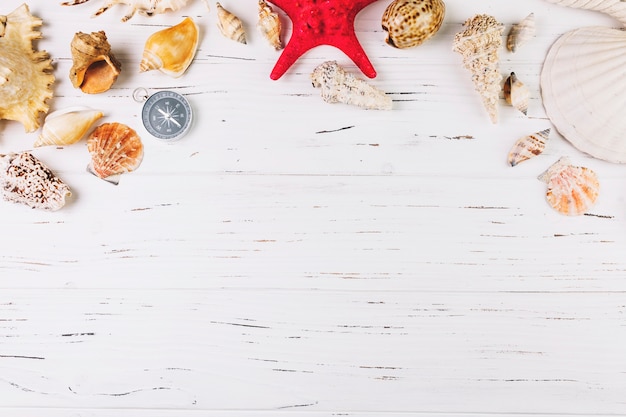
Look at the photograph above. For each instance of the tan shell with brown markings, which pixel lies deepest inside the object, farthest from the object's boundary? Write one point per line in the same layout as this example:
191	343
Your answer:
409	23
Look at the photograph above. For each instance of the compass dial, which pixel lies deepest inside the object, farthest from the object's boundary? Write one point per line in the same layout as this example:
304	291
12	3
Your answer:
167	115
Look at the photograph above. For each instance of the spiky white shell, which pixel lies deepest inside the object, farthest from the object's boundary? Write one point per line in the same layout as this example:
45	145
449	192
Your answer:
143	7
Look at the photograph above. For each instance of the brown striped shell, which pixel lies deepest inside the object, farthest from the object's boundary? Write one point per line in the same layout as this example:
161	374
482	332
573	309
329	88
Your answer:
409	23
115	149
528	147
571	190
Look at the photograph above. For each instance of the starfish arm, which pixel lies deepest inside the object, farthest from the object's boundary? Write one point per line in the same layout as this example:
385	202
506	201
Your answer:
353	49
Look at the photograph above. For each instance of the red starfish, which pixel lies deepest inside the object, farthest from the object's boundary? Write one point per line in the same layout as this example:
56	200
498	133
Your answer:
322	22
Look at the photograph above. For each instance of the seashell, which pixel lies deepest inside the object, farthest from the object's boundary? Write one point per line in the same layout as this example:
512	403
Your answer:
230	25
143	7
614	8
95	68
528	147
582	86
479	44
516	93
269	25
171	50
572	190
115	149
338	86
409	23
521	33
23	70
26	180
68	126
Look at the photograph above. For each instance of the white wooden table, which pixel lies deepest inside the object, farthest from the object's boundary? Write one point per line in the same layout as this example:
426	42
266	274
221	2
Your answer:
290	257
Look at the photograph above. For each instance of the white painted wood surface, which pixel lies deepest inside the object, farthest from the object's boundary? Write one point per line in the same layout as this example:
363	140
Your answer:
296	258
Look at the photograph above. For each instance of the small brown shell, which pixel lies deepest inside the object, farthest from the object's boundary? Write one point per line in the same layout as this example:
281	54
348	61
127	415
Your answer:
95	69
409	23
516	93
115	149
571	190
528	147
230	25
269	25
26	180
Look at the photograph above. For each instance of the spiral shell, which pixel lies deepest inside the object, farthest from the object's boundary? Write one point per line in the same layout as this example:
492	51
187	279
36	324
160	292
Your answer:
409	23
67	126
571	190
115	149
269	25
521	33
95	69
26	180
528	147
230	25
516	93
171	50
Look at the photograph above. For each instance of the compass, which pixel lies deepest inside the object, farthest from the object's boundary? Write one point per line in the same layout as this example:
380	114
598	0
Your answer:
166	115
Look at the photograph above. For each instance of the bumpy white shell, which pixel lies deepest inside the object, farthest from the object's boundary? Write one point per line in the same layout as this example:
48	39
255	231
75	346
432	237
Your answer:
521	33
615	8
583	86
26	180
339	86
143	7
528	147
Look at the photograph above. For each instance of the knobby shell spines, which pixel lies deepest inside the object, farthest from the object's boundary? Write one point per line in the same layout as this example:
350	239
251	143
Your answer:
143	7
521	33
230	25
409	23
528	147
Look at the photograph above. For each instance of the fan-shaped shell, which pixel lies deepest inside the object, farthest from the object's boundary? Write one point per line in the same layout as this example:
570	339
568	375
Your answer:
409	23
115	149
571	190
528	147
67	126
584	90
95	69
26	180
615	8
171	50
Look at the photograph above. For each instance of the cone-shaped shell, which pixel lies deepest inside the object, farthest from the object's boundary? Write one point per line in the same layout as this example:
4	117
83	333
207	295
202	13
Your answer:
269	25
230	25
115	149
571	190
67	126
23	70
521	33
95	69
26	180
171	50
528	147
516	93
409	23
339	86
584	90
615	8
479	45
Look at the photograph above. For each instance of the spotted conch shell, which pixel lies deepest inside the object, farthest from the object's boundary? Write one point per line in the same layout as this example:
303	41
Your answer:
143	7
230	25
339	86
25	179
516	93
25	74
479	45
528	147
269	25
521	33
409	23
115	149
171	50
67	126
95	69
614	8
571	190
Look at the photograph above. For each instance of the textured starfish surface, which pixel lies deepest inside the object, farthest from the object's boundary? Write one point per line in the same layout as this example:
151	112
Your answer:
322	22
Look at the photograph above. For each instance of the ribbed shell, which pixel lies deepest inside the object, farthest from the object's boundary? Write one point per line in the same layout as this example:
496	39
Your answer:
584	90
521	33
615	8
528	147
230	25
94	67
115	149
571	190
409	23
269	25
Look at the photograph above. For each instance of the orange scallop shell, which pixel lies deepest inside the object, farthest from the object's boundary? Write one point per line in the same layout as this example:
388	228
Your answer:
572	190
115	149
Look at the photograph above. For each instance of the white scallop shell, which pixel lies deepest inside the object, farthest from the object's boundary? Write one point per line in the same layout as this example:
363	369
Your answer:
615	8
584	90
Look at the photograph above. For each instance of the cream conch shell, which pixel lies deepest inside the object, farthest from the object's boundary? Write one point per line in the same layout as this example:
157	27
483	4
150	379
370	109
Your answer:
571	190
521	33
409	23
230	25
339	86
26	180
143	7
115	149
614	8
67	126
171	50
269	25
516	93
95	69
528	147
479	44
25	74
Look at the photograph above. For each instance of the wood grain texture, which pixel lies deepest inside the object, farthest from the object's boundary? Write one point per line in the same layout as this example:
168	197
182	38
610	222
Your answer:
291	257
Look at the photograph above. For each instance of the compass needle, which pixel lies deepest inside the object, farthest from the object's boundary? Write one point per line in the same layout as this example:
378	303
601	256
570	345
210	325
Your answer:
167	115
